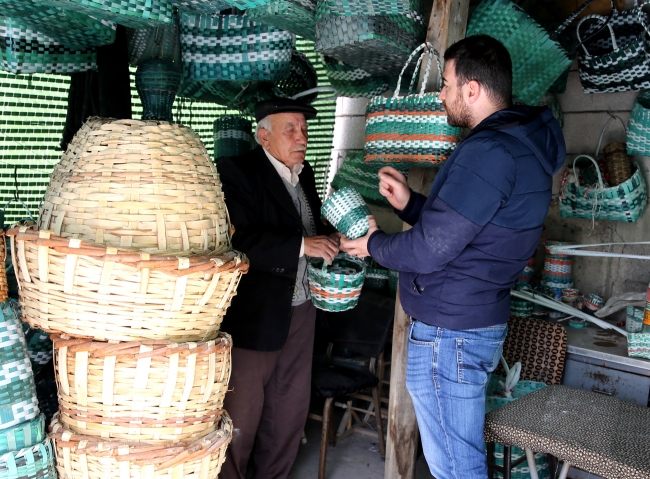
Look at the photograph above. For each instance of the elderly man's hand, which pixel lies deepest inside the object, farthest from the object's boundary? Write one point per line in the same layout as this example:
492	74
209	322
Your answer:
359	247
321	247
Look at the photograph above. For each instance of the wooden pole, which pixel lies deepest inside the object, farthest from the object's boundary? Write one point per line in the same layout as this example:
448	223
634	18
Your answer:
447	25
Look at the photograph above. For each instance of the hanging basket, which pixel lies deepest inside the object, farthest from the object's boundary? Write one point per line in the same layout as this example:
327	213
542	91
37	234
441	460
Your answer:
638	126
152	391
35	462
352	82
347	212
94	458
24	435
297	17
233	136
91	291
162	42
372	7
336	287
203	6
157	82
137	184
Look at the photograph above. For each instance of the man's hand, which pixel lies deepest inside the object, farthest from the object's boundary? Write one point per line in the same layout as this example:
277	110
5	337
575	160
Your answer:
359	247
321	247
392	184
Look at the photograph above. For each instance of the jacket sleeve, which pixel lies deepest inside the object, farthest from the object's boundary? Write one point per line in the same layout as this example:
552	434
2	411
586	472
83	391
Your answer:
269	249
478	184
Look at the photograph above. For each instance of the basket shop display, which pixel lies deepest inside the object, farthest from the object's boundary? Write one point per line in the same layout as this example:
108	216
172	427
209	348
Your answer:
297	17
412	130
24	50
106	293
147	185
233	47
336	287
233	136
34	462
96	458
157	82
352	82
150	391
347	212
70	28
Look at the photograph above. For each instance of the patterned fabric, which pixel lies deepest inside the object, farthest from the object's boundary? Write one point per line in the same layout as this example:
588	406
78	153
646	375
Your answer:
599	434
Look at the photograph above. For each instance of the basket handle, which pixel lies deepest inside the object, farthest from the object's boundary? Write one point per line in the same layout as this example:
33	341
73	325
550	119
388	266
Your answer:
602	133
335	93
600	178
432	53
568	21
607	24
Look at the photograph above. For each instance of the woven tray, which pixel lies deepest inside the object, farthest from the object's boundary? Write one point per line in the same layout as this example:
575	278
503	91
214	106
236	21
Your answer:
152	391
35	462
137	184
88	457
297	17
336	287
87	290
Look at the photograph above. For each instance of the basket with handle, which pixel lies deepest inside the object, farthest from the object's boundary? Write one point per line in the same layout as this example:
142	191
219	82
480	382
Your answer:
297	17
106	293
351	81
33	462
106	389
412	130
638	126
336	287
96	458
347	212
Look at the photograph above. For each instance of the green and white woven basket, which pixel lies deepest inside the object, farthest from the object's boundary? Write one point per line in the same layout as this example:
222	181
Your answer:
638	126
202	6
233	136
297	17
352	82
130	13
35	462
25	51
638	345
336	287
347	212
25	434
373	7
39	344
521	308
233	47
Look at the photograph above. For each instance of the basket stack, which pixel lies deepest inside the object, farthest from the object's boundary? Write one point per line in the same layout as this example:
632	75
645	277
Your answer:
131	272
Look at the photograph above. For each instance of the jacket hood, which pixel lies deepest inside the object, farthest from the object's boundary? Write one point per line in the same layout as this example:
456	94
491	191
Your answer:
536	128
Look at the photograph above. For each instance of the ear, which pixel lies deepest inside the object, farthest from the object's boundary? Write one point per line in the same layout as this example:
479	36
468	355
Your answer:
473	91
263	135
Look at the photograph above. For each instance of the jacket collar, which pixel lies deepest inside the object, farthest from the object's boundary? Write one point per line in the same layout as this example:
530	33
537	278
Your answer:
273	182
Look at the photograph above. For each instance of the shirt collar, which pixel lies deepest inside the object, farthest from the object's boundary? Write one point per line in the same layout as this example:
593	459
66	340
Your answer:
291	175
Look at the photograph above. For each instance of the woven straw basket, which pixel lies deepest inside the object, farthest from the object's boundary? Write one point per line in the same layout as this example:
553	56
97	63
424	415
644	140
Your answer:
137	184
152	391
105	293
88	457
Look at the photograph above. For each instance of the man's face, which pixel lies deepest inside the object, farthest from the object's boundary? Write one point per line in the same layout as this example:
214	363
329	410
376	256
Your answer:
288	139
458	112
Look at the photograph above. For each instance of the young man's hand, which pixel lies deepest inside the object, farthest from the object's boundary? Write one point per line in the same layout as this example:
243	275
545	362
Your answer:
392	184
359	247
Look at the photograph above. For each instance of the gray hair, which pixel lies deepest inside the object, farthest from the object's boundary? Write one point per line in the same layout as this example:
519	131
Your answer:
263	123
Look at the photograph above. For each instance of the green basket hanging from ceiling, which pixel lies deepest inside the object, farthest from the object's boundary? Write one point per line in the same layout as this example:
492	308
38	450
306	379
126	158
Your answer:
35	462
162	42
297	17
24	51
352	82
130	13
233	136
157	82
202	6
373	7
70	28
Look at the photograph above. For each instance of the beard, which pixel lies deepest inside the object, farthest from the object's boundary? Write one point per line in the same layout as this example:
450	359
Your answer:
458	113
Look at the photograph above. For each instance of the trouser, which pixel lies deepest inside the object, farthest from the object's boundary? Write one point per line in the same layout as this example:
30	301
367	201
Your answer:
269	401
447	375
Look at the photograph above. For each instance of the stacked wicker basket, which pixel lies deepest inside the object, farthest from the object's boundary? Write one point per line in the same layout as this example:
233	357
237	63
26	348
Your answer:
131	270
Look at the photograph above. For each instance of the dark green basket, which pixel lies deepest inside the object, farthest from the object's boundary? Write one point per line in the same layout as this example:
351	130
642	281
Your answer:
130	13
351	81
295	17
203	6
233	136
162	42
376	279
23	435
373	7
157	82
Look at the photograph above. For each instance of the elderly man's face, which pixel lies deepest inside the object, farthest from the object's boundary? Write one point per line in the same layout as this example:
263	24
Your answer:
288	139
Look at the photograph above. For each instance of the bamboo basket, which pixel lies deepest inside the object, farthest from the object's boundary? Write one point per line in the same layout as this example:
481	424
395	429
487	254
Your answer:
152	391
105	293
79	456
148	185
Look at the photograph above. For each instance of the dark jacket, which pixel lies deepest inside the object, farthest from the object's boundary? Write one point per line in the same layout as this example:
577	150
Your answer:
480	224
269	230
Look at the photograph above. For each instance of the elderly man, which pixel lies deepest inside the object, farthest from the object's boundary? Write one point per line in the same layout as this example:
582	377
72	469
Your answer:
275	209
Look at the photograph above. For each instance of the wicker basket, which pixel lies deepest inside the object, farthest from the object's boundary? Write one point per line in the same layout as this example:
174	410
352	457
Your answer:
25	434
88	457
137	184
152	391
336	287
35	462
618	163
347	212
87	290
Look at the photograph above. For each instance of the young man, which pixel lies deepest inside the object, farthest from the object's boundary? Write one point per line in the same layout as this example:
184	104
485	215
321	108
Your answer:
471	238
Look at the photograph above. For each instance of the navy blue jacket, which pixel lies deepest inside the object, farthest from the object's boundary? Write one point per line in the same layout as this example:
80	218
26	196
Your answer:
480	224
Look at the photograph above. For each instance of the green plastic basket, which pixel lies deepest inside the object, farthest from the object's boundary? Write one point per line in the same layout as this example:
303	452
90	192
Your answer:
23	435
70	28
638	126
157	82
235	48
130	13
638	345
203	6
233	136
162	42
351	81
24	50
35	462
376	279
347	212
336	287
295	17
521	308
373	7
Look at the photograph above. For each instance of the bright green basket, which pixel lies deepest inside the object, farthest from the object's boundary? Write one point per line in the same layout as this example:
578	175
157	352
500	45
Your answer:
638	126
336	287
233	136
351	81
25	434
130	13
295	17
35	462
24	51
70	28
347	212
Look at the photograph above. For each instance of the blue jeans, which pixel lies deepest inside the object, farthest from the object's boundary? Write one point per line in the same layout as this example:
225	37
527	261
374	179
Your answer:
447	374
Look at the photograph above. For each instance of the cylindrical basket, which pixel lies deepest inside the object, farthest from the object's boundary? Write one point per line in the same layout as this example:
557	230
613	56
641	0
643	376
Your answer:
336	287
152	391
137	184
521	308
25	434
557	267
92	291
233	136
347	212
157	82
94	458
34	462
4	286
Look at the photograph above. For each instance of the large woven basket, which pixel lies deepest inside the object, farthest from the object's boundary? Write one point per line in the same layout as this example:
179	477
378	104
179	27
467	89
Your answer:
4	285
152	391
34	462
80	456
92	291
137	184
203	6
336	287
297	17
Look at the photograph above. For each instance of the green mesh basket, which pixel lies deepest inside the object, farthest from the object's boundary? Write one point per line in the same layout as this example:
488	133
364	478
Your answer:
235	48
351	81
295	17
638	126
25	434
336	287
130	13
35	462
70	28
347	212
157	82
24	50
233	136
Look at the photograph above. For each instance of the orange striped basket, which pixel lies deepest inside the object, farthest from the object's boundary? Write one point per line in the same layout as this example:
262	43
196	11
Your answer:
336	287
411	130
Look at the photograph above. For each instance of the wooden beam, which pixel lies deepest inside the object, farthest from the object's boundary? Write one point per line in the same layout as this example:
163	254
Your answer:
447	25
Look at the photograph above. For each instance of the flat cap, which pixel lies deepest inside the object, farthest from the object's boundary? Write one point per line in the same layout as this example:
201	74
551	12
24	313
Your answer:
282	105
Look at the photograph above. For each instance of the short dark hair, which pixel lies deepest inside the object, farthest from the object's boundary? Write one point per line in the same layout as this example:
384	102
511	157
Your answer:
485	60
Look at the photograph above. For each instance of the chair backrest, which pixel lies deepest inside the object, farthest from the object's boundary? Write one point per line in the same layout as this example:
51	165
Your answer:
539	345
